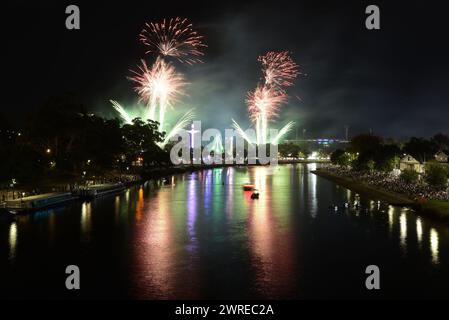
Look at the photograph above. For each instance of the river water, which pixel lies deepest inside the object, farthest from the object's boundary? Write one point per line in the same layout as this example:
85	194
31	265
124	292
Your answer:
199	235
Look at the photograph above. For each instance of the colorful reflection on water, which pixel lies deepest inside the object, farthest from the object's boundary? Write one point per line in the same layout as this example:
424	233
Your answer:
199	235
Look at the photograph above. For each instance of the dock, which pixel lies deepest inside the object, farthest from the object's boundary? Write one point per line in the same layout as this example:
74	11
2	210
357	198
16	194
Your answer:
38	202
99	190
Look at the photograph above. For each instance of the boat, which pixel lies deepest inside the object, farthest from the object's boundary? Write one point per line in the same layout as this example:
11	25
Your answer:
38	202
248	187
98	190
255	194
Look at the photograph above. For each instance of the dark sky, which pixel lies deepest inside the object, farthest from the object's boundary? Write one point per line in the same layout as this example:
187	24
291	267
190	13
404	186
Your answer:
393	81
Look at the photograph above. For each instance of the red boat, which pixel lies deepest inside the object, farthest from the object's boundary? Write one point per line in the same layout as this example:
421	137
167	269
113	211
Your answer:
248	187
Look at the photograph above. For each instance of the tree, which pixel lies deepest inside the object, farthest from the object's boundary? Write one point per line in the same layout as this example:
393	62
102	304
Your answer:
441	141
366	144
366	147
386	157
340	157
436	175
421	149
409	176
288	150
141	140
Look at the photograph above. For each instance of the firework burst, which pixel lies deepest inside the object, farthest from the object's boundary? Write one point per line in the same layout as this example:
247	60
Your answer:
126	117
175	38
158	86
264	101
263	104
279	69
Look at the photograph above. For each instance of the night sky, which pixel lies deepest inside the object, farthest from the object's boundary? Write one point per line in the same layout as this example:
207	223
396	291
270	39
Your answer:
393	81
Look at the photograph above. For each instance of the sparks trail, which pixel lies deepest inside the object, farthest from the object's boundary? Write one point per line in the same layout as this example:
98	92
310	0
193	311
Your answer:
279	69
264	100
158	86
175	38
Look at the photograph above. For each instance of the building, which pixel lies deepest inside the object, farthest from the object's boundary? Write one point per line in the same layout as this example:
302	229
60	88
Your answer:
408	162
327	144
441	157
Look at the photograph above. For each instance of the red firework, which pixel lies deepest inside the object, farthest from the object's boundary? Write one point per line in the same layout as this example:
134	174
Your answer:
264	101
174	37
279	69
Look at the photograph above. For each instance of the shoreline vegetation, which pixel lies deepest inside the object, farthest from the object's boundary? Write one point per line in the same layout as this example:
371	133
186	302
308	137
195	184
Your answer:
434	209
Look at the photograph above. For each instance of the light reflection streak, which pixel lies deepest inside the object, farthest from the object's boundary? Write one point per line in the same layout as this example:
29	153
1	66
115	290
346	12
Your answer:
419	230
229	184
117	209
191	214
434	240
139	206
312	190
403	230
12	240
269	244
86	211
157	247
390	218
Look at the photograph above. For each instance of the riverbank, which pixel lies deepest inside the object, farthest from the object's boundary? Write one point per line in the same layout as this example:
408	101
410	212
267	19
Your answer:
304	161
433	208
67	183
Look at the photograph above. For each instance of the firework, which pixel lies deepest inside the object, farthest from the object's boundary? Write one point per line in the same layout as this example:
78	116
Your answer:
263	104
158	86
279	72
241	132
122	112
182	122
279	69
175	38
282	132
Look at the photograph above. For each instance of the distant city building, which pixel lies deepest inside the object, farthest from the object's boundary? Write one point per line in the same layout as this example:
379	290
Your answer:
328	144
441	157
410	163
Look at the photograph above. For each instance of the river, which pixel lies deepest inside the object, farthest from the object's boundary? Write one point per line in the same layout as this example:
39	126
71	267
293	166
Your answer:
199	235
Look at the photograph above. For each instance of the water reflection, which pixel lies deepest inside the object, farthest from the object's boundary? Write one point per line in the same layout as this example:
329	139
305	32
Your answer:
139	206
204	237
390	218
419	230
434	246
12	240
403	230
86	211
155	249
117	209
312	191
269	245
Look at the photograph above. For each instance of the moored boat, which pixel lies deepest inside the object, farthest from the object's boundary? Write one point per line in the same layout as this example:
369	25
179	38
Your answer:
99	190
38	202
248	187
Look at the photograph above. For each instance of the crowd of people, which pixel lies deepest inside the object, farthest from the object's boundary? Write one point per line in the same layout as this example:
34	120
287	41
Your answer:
392	182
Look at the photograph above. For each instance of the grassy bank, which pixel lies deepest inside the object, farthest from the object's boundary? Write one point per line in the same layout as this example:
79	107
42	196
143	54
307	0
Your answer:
435	209
360	187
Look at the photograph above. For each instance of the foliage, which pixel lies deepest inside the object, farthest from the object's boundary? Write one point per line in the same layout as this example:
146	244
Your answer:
436	175
421	149
340	157
409	176
62	137
288	150
441	141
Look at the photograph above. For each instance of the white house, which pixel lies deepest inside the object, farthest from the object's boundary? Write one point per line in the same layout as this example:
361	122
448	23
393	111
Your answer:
408	162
